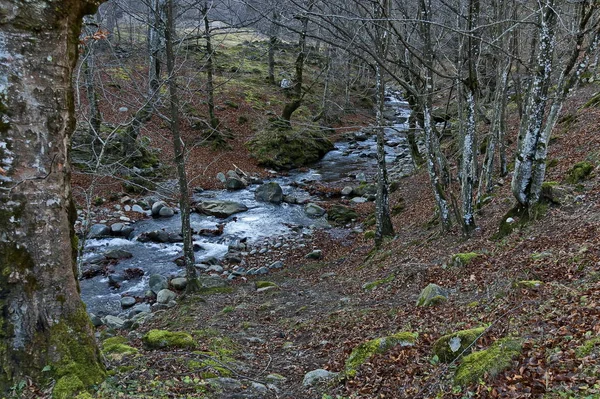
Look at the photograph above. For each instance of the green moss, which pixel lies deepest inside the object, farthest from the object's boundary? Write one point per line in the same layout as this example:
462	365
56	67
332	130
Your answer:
369	235
398	207
587	347
158	339
366	350
551	163
432	295
67	387
489	362
464	339
580	172
289	148
527	284
463	259
263	284
374	284
227	309
117	345
341	214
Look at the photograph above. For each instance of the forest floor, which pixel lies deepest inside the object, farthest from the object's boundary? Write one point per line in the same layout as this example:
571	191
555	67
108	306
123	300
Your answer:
320	310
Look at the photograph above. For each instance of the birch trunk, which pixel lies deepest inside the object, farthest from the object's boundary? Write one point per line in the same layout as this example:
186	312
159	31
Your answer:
42	319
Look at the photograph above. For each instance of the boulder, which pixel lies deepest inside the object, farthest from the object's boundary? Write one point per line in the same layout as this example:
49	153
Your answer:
157	283
127	302
346	191
319	375
113	322
314	210
432	295
269	192
179	283
363	352
117	254
489	362
341	214
221	177
166	212
211	282
165	296
316	254
220	209
99	231
289	148
155	339
116	228
449	347
157	206
235	183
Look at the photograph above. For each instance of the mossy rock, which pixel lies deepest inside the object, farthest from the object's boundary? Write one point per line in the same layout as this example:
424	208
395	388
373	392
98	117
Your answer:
519	216
67	387
159	339
449	347
370	286
432	295
289	148
369	235
579	172
489	362
529	284
341	214
363	352
264	284
117	347
463	259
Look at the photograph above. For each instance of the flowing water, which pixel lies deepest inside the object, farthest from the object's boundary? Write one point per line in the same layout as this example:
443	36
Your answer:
262	222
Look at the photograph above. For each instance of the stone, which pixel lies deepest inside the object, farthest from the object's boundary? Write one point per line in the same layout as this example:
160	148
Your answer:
226	384
117	254
96	321
116	228
341	214
315	254
319	375
126	231
276	265
361	177
166	212
347	191
99	231
235	183
139	308
269	192
127	302
179	283
113	322
220	209
221	177
364	351
137	208
211	282
314	210
157	206
359	200
489	362
215	269
165	296
262	270
449	347
158	282
432	295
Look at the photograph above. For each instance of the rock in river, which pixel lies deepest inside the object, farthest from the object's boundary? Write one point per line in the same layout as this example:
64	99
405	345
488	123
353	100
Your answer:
220	209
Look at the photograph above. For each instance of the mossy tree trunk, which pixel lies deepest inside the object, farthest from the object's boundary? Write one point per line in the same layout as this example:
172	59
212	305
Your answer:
273	40
215	135
42	319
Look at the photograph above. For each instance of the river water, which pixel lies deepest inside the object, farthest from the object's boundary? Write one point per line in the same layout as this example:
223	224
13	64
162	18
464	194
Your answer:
261	223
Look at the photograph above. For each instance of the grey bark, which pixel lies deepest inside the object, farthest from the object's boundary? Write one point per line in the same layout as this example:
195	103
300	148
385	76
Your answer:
42	319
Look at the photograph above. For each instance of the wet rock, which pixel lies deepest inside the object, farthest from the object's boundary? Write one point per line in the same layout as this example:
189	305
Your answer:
127	302
165	296
214	269
262	270
166	212
96	321
160	236
314	210
139	308
341	214
116	228
220	209
235	183
269	192
221	177
99	231
117	254
157	206
158	283
137	208
276	265
316	376
347	191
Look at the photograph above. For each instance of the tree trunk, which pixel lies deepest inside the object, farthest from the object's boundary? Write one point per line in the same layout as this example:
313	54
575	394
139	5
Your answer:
179	149
210	85
272	45
382	206
42	319
89	70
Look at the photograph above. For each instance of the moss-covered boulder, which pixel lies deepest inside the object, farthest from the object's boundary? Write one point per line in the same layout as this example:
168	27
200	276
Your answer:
341	214
555	194
116	347
489	362
451	346
432	295
366	350
579	172
289	148
462	259
159	339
